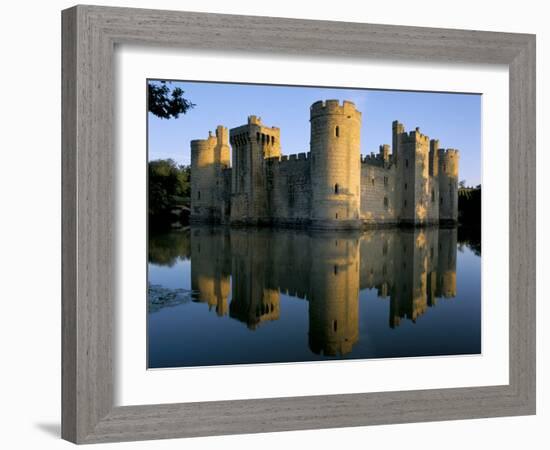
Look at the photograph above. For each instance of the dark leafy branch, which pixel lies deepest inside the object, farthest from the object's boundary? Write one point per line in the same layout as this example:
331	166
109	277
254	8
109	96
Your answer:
165	102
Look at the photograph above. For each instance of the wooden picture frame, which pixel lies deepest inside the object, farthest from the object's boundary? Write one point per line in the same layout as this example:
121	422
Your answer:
90	34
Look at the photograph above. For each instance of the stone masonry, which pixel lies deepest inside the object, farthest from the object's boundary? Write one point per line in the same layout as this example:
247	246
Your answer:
332	186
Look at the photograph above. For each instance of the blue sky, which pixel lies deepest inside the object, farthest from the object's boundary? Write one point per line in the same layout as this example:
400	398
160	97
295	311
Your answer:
454	119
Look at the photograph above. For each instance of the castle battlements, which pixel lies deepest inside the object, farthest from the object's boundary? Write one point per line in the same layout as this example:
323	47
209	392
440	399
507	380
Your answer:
448	153
333	107
285	159
332	186
204	143
381	159
414	136
372	158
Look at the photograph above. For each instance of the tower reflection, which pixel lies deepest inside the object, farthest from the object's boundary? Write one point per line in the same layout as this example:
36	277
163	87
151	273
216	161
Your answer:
249	270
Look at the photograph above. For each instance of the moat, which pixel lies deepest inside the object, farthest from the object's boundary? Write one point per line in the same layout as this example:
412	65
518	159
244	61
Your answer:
219	295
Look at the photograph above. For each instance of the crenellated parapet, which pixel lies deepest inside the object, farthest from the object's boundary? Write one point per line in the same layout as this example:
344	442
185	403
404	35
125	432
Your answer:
324	107
381	159
281	160
255	133
414	136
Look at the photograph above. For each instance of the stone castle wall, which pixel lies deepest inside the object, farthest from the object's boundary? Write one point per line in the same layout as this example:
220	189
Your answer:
330	187
378	196
289	188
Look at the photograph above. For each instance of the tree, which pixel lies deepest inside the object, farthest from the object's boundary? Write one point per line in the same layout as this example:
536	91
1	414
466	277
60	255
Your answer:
469	207
166	103
169	185
462	184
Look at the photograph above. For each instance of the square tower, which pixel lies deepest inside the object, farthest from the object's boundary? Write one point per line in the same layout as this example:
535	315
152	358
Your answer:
252	144
413	183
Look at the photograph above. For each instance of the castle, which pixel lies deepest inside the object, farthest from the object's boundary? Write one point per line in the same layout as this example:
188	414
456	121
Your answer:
329	187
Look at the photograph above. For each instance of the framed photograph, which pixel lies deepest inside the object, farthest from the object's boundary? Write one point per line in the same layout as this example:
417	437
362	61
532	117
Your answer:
266	230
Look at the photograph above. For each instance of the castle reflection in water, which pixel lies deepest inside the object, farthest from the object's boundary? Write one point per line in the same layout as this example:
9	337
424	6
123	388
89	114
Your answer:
241	274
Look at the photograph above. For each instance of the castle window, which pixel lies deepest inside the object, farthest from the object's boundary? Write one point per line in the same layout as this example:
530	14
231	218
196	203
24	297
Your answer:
386	202
258	136
405	186
199	195
441	200
372	181
433	196
405	203
273	140
444	167
335	270
336	188
385	181
337	131
335	325
336	216
406	163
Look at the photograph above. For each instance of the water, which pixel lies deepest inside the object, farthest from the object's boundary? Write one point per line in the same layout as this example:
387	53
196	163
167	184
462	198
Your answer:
233	296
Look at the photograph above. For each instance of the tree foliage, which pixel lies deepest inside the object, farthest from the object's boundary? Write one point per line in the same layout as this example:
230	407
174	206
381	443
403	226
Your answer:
169	186
469	217
165	102
469	206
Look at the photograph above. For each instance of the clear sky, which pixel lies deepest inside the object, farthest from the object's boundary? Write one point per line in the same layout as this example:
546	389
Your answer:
454	119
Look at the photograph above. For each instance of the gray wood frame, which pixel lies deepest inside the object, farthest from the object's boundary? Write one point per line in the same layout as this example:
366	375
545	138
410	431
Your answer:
89	36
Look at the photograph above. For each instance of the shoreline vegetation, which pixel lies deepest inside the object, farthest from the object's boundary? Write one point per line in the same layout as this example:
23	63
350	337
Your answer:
469	217
169	194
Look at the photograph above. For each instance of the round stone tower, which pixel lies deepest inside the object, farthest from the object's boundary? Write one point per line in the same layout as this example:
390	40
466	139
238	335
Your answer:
448	185
335	164
209	157
203	178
